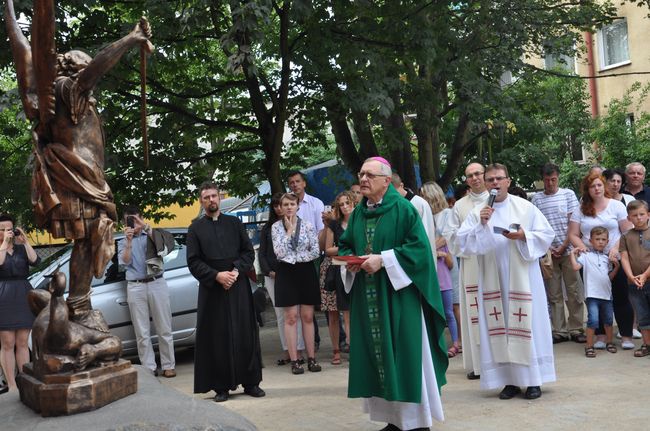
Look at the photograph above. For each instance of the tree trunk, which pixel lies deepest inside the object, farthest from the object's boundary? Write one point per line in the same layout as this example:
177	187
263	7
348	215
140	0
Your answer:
458	147
344	141
367	145
399	145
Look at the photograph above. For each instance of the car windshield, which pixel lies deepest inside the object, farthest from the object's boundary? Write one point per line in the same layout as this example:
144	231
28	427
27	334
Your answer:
49	260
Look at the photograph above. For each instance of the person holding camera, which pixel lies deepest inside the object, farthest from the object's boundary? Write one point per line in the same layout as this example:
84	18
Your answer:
141	251
16	319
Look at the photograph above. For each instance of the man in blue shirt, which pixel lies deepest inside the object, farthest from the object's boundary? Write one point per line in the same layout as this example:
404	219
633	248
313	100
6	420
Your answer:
147	291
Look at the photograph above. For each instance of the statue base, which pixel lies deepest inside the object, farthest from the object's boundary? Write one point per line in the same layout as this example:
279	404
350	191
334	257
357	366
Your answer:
71	393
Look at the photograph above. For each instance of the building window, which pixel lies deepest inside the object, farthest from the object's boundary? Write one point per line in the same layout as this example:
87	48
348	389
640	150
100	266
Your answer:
613	45
559	61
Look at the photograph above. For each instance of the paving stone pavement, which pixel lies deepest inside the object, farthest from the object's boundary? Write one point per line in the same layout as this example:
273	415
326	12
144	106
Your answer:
609	392
605	393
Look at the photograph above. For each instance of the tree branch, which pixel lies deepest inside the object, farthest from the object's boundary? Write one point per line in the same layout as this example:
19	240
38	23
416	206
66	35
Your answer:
192	116
213	154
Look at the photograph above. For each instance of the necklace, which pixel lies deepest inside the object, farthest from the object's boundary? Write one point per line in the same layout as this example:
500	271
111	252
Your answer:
371	232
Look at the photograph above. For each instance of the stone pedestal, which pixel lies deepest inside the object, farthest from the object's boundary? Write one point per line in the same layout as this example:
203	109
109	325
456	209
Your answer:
70	393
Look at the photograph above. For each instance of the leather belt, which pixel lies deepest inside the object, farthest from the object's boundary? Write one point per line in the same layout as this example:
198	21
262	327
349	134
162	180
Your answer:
148	279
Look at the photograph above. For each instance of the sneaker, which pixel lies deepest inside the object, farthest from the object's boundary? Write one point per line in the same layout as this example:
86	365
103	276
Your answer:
600	345
618	335
627	345
636	334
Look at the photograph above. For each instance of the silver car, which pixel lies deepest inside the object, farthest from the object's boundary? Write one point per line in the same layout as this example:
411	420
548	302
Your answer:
109	293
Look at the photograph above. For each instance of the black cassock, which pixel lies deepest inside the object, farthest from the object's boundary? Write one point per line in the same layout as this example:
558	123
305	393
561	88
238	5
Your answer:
227	352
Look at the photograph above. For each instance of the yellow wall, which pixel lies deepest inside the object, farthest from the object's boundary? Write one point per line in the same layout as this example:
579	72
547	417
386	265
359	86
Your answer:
638	30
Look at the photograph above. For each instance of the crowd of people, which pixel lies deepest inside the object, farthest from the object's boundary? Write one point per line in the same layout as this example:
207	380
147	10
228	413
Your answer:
508	276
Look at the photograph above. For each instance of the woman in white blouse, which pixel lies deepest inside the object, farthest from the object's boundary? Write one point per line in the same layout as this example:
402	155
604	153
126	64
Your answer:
598	209
295	243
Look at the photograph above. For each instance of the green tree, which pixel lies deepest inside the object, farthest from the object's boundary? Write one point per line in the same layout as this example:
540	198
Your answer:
620	139
438	63
548	121
15	146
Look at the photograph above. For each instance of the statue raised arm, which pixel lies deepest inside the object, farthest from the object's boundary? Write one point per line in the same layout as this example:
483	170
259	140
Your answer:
70	195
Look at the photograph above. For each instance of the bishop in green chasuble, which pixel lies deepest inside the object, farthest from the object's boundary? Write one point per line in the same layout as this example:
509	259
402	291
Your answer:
398	355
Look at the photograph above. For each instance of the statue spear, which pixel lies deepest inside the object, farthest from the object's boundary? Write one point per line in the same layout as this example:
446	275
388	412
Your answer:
143	96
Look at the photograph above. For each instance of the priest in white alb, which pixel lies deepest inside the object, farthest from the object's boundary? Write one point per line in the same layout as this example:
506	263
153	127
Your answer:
515	330
468	271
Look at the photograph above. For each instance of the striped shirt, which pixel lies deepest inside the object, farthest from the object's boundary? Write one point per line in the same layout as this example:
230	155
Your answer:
557	208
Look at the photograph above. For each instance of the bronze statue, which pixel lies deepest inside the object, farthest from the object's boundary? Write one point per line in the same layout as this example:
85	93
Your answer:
62	345
72	200
69	192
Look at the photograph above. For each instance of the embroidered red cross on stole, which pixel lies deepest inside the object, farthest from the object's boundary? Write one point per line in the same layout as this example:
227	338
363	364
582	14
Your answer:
519	322
519	314
495	313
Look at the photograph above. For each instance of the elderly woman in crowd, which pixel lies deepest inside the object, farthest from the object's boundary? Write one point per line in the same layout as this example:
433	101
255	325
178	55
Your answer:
614	181
597	208
16	319
333	296
447	267
295	243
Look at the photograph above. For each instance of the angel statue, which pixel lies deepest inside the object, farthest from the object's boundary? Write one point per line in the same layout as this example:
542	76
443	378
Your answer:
70	195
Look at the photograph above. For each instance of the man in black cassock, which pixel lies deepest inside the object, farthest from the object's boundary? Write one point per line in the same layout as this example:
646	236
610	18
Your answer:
219	253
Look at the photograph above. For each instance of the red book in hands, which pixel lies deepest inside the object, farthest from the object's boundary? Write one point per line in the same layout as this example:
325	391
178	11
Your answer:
348	260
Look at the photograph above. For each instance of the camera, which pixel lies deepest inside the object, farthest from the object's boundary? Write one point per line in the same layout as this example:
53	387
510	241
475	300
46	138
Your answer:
130	222
16	233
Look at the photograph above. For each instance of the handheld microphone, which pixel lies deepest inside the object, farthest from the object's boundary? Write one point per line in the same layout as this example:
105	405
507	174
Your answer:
493	196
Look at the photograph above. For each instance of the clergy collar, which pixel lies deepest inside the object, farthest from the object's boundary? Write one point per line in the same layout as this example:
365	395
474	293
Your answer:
215	218
375	205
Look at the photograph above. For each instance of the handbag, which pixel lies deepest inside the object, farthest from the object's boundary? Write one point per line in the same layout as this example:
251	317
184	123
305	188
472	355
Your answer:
332	278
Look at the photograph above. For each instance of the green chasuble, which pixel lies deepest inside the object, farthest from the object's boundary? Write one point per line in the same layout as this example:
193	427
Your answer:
386	325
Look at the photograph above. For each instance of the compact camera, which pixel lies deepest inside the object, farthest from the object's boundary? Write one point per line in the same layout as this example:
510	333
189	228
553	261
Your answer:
16	232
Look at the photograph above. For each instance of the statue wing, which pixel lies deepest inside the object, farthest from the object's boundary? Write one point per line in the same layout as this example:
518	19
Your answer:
22	55
44	57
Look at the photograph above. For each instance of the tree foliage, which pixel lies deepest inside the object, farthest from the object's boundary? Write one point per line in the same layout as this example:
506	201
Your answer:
242	89
620	139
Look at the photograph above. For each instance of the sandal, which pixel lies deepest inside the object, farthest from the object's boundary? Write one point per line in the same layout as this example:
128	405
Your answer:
336	360
611	348
312	365
296	368
590	352
642	351
283	361
452	352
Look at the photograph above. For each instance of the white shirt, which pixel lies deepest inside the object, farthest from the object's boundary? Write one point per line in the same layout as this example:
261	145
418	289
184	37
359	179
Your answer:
557	208
310	209
595	270
608	218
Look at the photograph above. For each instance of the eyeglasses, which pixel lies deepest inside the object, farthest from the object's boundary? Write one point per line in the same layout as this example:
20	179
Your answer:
475	174
369	175
494	179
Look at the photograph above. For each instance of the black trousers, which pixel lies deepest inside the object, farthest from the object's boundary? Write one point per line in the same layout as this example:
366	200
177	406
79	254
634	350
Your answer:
623	311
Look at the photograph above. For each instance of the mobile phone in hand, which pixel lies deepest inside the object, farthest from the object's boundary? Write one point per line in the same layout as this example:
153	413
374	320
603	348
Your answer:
130	221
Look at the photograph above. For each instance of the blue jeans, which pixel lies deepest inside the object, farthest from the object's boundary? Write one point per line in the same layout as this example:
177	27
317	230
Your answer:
448	305
599	310
640	299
